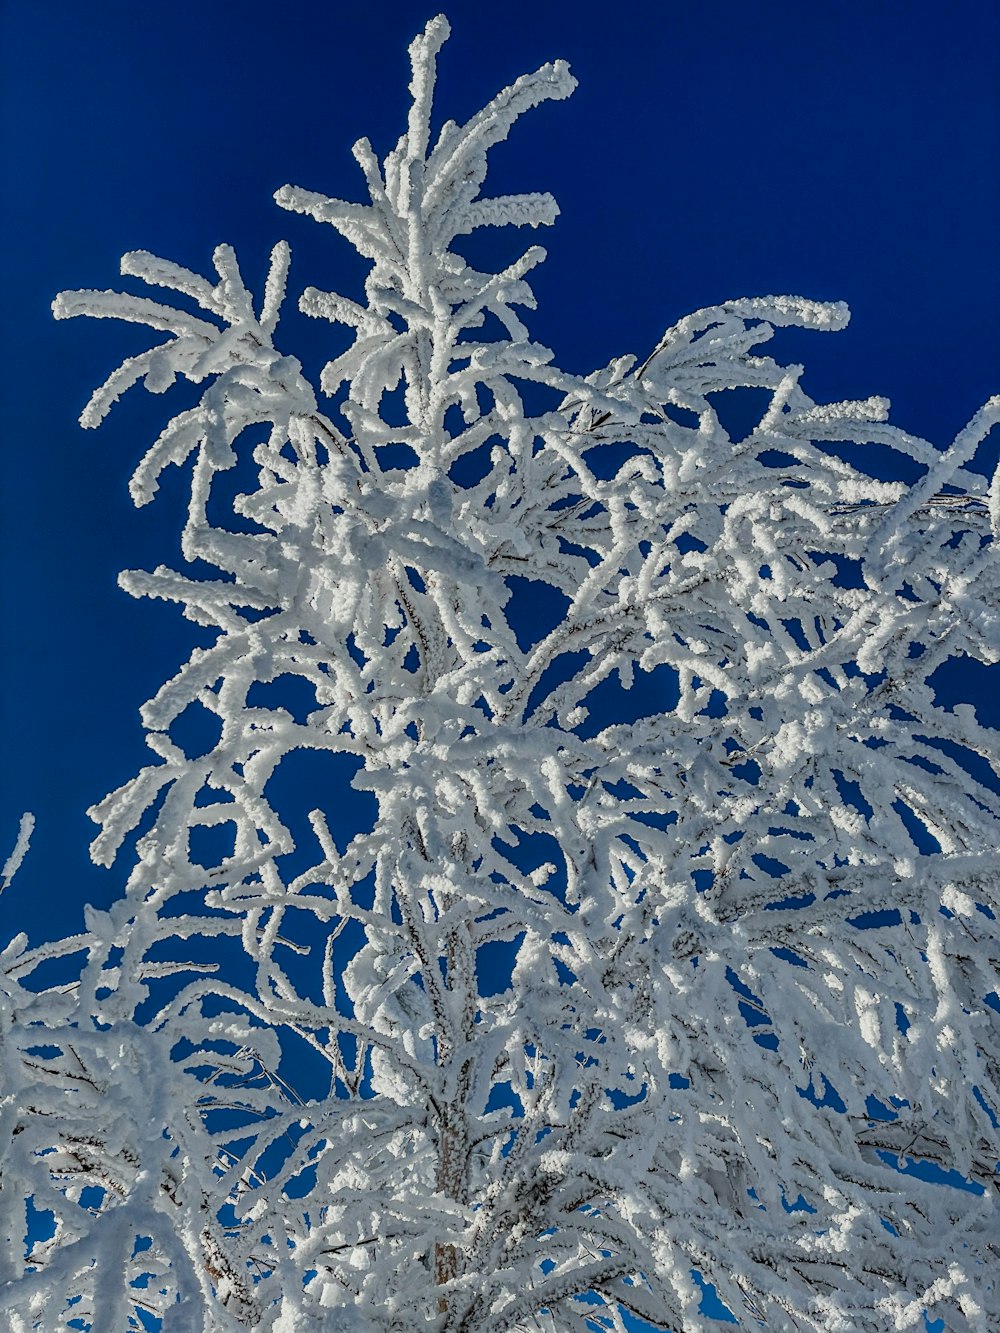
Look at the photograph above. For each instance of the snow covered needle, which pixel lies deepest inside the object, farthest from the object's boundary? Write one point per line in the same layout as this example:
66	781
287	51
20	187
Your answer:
619	994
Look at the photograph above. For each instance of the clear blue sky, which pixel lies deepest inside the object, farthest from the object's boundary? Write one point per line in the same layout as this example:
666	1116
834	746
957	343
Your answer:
838	150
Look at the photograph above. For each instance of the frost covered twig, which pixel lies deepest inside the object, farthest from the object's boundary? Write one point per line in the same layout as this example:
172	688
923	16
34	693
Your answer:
20	849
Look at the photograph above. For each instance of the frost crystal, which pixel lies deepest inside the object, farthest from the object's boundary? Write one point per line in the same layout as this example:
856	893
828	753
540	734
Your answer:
669	958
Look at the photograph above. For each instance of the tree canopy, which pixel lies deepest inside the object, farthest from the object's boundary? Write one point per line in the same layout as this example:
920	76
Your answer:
668	959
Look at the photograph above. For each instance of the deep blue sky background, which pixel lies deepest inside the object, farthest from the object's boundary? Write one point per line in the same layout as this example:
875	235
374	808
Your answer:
838	150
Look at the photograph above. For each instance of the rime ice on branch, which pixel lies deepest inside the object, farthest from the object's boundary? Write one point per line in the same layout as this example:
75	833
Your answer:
751	935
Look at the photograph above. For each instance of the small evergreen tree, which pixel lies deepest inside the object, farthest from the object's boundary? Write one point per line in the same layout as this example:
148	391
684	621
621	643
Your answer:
615	999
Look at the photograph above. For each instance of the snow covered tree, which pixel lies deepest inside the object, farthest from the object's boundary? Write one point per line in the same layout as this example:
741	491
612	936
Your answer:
616	1000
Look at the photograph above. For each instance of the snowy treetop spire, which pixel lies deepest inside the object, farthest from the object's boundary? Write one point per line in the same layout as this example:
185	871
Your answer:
421	200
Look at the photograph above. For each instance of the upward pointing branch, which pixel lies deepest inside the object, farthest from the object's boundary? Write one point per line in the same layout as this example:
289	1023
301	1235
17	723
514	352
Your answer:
423	59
